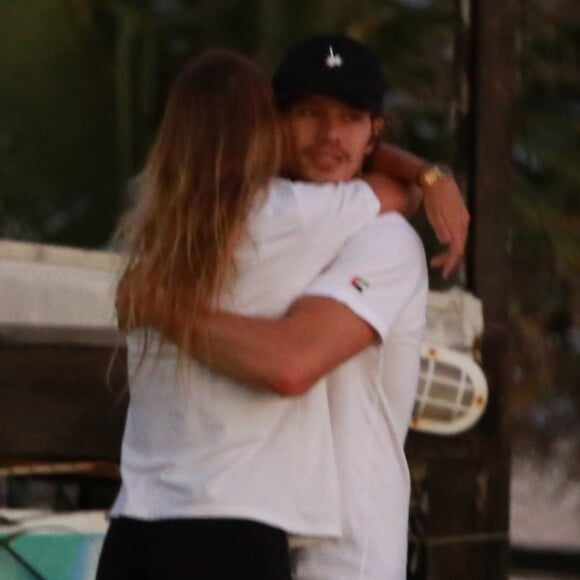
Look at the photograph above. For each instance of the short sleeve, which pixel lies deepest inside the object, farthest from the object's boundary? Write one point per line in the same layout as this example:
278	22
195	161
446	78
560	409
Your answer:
377	273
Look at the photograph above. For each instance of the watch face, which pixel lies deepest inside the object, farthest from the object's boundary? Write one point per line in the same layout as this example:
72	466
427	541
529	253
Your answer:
432	175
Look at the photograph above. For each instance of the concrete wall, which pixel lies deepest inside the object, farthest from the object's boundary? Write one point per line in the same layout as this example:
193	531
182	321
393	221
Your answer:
44	285
49	285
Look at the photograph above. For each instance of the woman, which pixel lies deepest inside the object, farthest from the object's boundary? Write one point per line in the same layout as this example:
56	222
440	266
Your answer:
215	474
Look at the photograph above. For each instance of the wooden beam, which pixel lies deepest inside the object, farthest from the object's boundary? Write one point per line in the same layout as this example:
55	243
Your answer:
28	334
61	401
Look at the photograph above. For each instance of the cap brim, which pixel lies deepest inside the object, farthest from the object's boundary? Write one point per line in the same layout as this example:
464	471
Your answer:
288	98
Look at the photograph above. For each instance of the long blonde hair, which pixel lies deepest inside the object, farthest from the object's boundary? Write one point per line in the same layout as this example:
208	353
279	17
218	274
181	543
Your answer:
215	151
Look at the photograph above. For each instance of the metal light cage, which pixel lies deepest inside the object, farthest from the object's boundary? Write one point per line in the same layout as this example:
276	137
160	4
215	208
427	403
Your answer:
452	393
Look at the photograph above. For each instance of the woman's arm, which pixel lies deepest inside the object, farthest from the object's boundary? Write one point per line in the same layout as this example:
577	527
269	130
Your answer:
444	205
393	196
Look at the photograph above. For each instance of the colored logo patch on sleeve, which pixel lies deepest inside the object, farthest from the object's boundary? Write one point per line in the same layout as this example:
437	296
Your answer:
359	283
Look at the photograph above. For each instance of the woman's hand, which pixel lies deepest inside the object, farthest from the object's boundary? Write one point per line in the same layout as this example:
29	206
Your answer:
444	205
449	219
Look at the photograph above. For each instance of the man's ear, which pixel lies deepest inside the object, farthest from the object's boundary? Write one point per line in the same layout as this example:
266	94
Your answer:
377	128
288	152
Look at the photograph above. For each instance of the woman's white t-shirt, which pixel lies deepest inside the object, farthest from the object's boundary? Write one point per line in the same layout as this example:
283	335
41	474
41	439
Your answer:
197	444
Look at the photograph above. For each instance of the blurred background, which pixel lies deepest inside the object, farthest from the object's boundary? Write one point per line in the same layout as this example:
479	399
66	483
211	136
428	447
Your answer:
82	86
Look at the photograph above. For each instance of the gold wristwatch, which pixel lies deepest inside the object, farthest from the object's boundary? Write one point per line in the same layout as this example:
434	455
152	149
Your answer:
431	175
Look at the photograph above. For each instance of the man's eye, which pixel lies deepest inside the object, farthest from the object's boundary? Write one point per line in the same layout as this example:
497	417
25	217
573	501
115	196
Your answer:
353	116
307	112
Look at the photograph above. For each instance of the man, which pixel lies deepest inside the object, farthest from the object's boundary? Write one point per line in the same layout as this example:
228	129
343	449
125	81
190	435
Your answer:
301	76
364	314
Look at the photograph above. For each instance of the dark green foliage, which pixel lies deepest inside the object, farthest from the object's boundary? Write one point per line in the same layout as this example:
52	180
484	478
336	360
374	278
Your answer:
546	266
57	155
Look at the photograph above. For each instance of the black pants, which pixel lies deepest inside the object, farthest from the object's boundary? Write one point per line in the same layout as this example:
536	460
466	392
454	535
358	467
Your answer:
193	549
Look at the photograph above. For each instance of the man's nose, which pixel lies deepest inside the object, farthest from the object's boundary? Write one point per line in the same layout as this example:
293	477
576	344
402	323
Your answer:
329	127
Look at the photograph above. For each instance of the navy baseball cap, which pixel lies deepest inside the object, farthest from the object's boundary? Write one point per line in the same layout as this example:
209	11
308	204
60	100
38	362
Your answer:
331	64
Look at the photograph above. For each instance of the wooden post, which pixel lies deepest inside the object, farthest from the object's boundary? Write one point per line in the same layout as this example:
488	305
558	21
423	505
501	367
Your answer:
465	481
492	83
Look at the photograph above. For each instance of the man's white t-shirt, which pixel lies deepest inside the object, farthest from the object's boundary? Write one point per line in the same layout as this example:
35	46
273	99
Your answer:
382	276
197	444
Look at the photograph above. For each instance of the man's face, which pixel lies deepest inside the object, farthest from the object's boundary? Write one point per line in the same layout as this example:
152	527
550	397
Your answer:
329	138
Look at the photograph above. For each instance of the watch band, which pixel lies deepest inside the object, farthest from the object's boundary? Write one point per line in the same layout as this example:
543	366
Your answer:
431	175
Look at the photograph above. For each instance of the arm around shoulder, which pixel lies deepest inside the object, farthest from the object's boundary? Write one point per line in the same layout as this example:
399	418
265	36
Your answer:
393	195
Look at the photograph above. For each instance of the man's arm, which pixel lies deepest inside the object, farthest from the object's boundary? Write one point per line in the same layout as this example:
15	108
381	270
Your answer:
287	355
319	332
444	205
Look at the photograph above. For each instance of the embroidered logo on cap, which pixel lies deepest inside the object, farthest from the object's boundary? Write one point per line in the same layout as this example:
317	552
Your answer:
359	283
332	59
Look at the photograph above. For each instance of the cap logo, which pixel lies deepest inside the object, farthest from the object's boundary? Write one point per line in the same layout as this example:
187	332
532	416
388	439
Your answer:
333	60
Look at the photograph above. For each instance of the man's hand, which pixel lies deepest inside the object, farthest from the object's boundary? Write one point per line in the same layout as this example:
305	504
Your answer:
449	219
